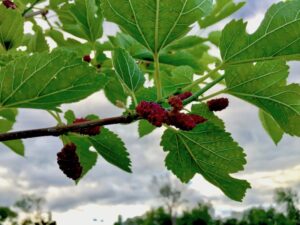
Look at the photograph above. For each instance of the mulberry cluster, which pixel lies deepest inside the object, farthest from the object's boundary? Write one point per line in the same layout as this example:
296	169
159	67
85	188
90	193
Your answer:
152	112
68	162
91	131
176	101
9	4
184	121
218	104
157	115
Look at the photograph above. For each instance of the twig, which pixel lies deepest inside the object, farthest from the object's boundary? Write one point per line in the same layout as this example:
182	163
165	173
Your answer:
32	14
60	130
30	7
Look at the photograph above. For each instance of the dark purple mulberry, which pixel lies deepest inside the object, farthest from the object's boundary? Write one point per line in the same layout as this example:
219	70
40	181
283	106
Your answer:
68	162
218	104
87	58
9	4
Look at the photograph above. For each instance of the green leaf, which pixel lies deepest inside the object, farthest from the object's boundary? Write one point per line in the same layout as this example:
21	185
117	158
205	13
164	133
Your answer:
166	21
263	85
70	116
87	158
185	42
271	126
9	114
114	91
45	81
11	28
127	70
221	10
112	149
277	36
145	128
181	76
203	110
83	18
36	42
16	146
209	151
214	37
6	124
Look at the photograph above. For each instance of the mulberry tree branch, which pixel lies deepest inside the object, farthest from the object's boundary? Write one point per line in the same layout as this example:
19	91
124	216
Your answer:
60	130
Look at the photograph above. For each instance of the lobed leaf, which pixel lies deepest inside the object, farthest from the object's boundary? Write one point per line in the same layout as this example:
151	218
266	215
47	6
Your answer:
166	20
83	18
264	85
221	10
277	37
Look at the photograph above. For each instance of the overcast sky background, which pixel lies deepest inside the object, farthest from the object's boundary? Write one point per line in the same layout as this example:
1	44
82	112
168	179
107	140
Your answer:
107	191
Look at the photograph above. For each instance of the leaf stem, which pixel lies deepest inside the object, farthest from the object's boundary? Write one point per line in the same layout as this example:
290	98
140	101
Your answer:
212	95
203	90
157	76
30	7
134	98
201	79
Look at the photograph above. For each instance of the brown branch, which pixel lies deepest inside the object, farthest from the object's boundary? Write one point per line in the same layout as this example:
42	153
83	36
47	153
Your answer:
60	130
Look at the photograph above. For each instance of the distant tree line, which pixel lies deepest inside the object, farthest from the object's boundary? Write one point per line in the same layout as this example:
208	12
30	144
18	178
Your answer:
26	211
202	214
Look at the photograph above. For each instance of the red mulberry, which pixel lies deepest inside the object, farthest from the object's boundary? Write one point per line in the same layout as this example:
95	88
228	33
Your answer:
198	119
184	121
68	162
87	58
218	104
9	4
176	103
152	112
91	131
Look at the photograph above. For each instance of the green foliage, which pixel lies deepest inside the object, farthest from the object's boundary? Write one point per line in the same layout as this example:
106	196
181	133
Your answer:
112	149
83	19
207	150
45	81
163	23
11	29
264	85
145	128
277	36
221	10
270	125
7	120
127	70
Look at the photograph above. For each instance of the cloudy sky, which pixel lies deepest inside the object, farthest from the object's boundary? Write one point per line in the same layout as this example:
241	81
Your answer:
108	191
